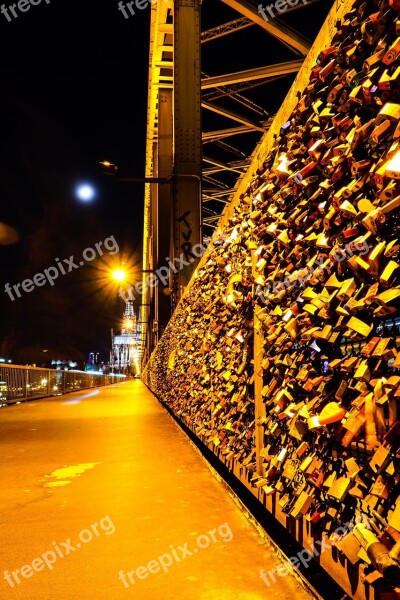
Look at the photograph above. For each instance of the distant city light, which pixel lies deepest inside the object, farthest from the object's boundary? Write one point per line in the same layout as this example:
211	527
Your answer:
85	192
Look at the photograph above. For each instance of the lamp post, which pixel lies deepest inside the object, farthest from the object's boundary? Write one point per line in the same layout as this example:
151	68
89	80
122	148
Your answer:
112	170
185	231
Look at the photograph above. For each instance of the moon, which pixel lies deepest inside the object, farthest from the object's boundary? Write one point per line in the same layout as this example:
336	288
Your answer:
85	192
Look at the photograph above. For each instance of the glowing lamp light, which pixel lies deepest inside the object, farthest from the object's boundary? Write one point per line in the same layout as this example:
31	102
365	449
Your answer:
119	275
85	192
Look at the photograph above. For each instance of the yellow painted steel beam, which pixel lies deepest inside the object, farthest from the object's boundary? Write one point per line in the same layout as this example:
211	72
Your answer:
231	115
220	166
159	29
187	137
284	68
222	133
273	26
225	29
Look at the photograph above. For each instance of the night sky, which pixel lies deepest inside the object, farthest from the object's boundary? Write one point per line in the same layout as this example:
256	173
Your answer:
73	92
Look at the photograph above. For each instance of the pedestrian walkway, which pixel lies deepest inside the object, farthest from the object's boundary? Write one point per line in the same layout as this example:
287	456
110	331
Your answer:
103	497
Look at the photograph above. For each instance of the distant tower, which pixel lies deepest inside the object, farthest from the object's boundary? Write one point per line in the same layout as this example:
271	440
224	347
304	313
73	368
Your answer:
125	353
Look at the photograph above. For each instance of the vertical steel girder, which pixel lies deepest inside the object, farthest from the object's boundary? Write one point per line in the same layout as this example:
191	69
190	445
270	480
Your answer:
187	139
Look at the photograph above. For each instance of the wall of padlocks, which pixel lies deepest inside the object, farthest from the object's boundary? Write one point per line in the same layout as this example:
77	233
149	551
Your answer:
283	355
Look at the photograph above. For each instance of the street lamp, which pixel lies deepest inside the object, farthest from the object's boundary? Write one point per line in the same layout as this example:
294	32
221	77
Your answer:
111	169
119	275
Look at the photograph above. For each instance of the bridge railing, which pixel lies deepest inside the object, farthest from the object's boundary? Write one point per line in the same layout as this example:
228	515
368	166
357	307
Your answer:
26	383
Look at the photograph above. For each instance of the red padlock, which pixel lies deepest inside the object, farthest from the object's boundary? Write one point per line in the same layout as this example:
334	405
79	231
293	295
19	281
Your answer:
316	517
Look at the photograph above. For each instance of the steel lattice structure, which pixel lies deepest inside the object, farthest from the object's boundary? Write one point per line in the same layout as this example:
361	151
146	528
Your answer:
180	98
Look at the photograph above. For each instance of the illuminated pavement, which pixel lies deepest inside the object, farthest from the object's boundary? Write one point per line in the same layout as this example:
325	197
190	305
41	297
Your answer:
114	457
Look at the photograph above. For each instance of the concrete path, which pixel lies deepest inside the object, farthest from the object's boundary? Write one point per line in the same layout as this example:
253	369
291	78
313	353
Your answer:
103	497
